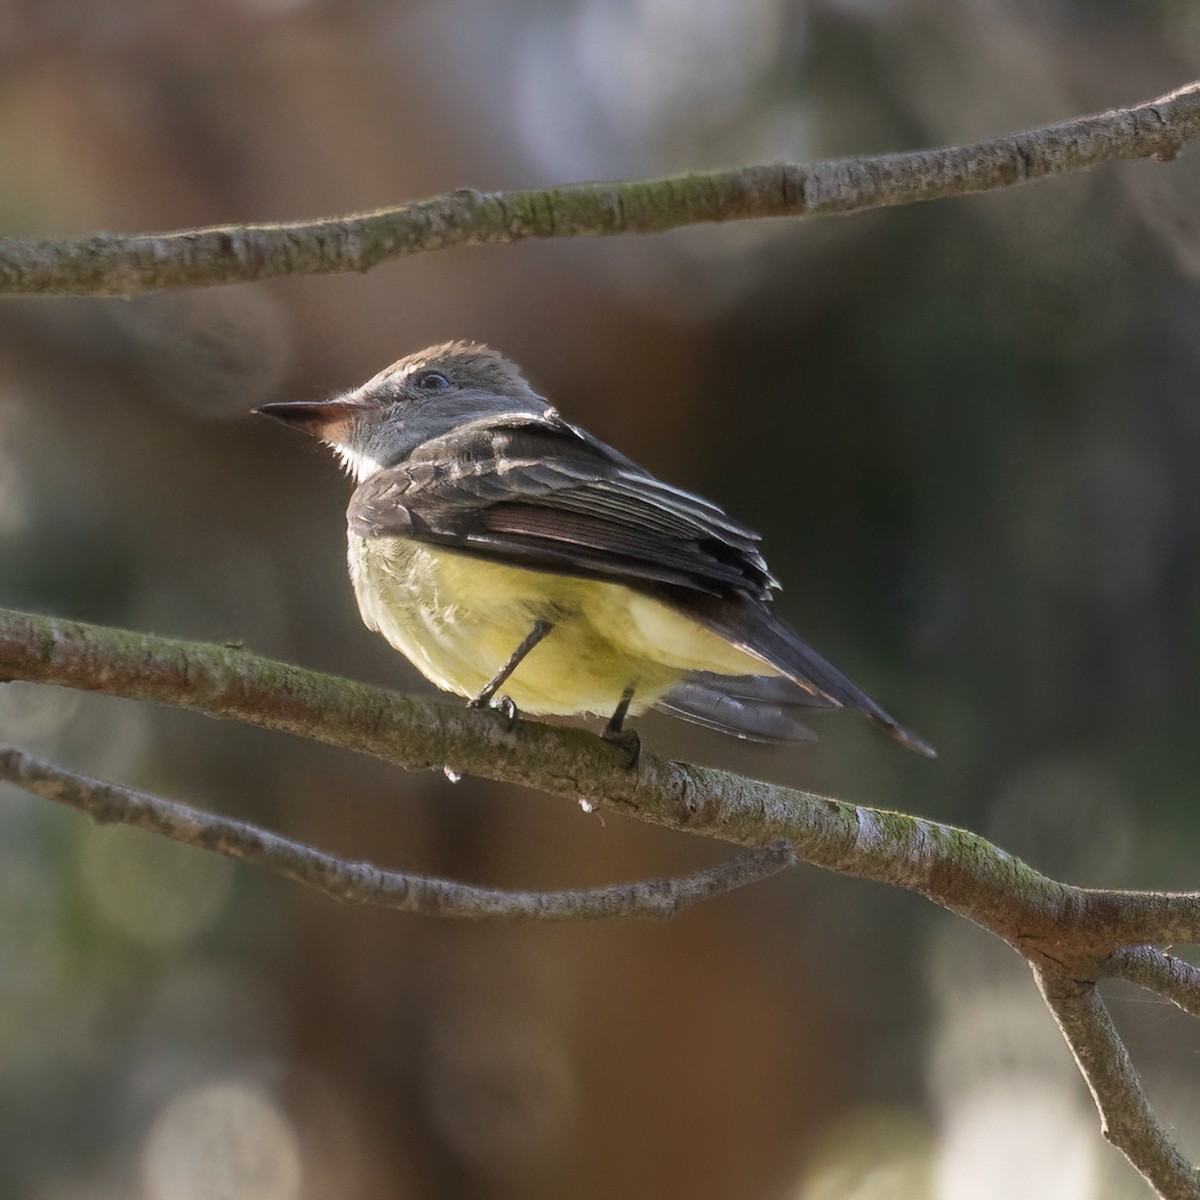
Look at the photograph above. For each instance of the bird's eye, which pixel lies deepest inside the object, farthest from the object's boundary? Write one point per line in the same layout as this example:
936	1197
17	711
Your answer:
432	381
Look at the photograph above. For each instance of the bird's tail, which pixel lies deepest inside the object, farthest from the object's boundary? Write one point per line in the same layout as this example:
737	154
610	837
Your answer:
759	708
755	629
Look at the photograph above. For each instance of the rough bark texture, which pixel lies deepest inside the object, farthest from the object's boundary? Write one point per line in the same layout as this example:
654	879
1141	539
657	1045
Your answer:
110	264
364	883
1126	1118
1072	937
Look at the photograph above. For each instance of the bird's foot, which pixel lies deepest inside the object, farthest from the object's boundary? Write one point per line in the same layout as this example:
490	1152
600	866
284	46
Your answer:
628	740
501	704
508	710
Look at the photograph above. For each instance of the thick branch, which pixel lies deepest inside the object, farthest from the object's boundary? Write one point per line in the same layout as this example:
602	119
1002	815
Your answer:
107	264
1072	936
1126	1117
364	883
952	867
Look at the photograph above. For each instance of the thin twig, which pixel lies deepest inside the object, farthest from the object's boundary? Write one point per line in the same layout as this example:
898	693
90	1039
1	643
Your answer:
1173	978
364	883
1126	1117
107	264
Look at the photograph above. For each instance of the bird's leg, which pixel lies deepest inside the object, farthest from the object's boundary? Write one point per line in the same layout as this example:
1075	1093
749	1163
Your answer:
507	707
616	733
617	720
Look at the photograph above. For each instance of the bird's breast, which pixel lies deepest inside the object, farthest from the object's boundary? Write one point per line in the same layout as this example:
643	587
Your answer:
458	618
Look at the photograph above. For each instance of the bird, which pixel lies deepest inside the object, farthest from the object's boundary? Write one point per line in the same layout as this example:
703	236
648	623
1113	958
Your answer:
498	546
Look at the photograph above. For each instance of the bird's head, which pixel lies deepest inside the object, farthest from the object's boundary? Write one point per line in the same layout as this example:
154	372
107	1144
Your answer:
422	397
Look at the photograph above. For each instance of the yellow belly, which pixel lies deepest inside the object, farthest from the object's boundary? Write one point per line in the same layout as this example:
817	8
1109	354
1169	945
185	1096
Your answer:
458	619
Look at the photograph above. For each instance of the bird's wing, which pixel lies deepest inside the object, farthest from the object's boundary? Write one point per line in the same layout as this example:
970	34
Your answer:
539	493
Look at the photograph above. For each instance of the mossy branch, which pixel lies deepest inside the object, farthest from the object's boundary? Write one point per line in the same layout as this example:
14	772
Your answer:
1073	937
959	870
113	264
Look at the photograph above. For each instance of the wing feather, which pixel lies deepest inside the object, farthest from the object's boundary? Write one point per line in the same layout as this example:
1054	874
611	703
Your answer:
541	495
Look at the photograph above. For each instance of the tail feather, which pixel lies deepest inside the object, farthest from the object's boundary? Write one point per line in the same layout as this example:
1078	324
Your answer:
755	629
758	708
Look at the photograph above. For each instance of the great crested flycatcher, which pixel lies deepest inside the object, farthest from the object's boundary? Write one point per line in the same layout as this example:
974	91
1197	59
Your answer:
498	546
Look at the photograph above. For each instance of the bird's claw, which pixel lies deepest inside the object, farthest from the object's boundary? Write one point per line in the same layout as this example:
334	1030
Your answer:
508	710
503	705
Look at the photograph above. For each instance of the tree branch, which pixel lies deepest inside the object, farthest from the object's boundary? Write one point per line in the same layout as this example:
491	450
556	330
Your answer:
953	867
956	869
107	264
364	883
1173	978
1071	936
1126	1117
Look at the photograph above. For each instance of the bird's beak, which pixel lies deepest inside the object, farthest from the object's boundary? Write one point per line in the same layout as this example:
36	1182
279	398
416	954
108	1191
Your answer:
329	420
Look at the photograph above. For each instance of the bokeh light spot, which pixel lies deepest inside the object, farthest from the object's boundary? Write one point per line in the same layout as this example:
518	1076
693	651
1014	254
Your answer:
222	1141
154	891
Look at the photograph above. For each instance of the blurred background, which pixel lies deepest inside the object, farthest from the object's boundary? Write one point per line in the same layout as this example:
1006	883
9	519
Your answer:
968	432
